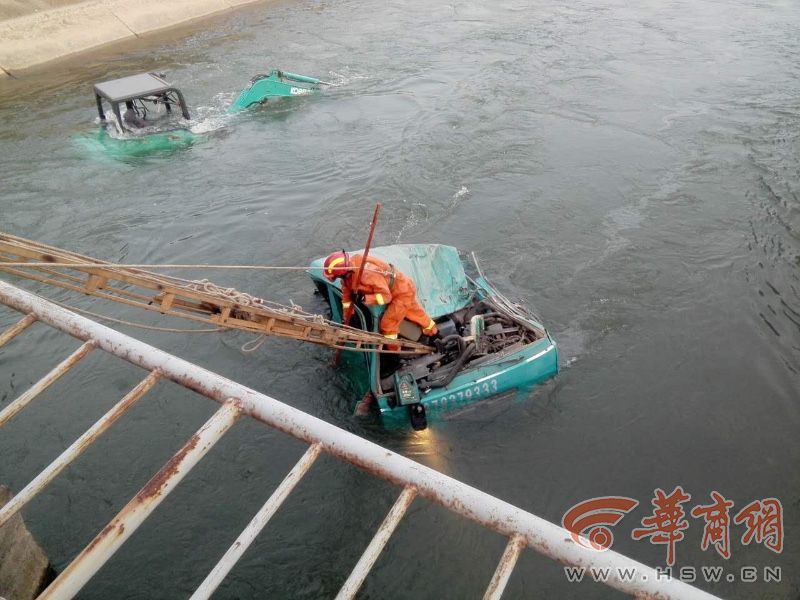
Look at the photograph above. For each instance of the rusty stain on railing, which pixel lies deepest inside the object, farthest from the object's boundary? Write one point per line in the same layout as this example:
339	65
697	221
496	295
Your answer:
108	541
503	572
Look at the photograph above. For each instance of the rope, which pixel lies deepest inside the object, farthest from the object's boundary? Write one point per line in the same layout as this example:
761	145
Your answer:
245	299
203	285
232	294
254	344
107	265
160	266
132	324
247	347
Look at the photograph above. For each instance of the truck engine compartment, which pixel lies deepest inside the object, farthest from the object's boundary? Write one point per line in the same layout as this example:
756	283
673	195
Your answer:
476	334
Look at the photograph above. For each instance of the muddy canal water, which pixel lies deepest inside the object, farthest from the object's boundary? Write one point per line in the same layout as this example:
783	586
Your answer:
630	170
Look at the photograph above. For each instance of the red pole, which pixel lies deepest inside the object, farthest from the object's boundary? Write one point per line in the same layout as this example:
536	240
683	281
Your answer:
372	225
349	311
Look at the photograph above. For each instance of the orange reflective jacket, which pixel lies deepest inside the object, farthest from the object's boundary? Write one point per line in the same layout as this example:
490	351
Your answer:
382	284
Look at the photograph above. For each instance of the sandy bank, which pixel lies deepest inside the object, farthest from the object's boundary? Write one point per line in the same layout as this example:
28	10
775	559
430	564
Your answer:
35	32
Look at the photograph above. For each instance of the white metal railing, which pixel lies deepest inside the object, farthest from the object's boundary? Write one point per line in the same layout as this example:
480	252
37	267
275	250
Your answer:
522	528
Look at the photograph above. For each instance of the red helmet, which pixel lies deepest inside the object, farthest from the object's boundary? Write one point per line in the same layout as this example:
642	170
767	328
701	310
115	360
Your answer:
336	265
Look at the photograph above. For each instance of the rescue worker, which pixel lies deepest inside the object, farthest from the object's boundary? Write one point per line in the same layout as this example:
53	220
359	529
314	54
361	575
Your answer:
381	284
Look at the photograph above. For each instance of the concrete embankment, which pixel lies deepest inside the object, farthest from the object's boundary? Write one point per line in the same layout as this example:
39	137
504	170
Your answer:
24	567
38	31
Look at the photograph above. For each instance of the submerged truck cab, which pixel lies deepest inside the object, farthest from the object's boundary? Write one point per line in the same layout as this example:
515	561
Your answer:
489	345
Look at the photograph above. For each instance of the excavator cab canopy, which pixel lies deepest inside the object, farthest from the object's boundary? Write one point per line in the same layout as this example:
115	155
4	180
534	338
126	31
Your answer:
143	92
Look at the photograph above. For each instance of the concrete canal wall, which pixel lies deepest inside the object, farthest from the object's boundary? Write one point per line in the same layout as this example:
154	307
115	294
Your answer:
24	568
34	32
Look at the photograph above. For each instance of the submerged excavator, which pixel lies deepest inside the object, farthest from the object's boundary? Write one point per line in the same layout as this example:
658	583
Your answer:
144	114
